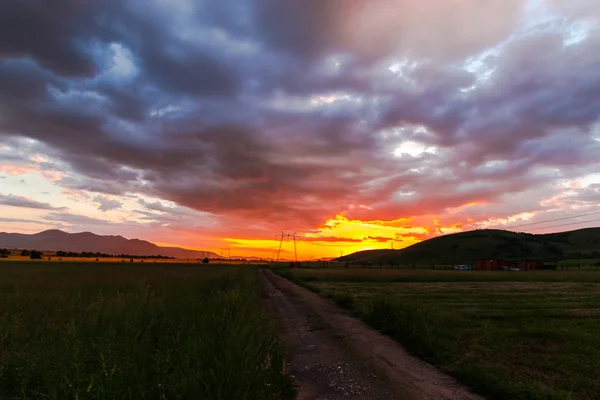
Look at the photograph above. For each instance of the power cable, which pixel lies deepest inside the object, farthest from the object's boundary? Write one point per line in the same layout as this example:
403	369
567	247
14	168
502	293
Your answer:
571	223
553	220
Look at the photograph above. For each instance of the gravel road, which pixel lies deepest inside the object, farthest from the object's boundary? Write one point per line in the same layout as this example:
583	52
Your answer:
331	355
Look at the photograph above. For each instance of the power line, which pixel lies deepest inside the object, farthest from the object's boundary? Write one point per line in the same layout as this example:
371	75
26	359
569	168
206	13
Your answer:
571	223
553	220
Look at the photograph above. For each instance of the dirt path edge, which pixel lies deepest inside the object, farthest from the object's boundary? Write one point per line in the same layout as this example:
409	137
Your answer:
414	378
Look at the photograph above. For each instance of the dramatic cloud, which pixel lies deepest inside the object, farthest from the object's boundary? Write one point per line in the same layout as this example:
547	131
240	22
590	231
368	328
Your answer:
250	117
75	220
105	203
23	202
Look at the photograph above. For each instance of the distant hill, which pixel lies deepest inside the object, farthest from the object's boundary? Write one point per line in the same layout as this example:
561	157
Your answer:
465	247
54	240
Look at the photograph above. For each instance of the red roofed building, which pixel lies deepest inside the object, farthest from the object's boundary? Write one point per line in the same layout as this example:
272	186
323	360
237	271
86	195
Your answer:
530	265
493	264
496	264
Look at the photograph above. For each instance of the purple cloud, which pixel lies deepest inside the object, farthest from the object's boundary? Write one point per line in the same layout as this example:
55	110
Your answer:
24	202
247	112
105	203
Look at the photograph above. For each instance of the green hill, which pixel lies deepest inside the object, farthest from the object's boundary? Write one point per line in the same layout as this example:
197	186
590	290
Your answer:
465	247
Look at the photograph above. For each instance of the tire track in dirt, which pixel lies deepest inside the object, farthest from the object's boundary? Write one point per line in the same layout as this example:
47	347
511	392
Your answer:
334	356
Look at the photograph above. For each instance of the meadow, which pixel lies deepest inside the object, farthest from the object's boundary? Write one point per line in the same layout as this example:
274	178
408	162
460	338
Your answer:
75	330
428	275
507	335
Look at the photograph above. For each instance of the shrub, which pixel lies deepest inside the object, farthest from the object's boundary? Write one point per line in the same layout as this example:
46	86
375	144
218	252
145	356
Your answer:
36	255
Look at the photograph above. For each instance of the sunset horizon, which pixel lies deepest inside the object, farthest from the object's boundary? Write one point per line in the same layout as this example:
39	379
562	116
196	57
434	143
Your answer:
377	125
331	247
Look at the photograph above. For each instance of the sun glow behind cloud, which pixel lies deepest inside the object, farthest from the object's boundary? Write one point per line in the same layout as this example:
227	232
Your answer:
336	236
413	149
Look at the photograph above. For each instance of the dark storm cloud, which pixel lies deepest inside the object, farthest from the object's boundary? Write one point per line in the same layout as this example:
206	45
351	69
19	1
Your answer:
49	31
308	28
66	36
23	202
375	29
291	110
23	81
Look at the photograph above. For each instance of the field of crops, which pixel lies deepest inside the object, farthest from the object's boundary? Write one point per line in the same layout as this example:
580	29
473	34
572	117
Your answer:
139	331
508	335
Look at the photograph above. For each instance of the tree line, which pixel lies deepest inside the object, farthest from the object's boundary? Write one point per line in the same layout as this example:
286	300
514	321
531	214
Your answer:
33	254
38	255
87	254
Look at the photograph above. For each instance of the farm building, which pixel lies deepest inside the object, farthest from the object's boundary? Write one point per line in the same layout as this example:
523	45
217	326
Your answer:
530	265
493	264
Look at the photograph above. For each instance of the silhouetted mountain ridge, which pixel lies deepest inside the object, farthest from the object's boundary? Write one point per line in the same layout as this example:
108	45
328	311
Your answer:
465	247
54	240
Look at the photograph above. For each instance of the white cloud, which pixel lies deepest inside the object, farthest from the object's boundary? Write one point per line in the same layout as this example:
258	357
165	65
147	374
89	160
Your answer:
413	149
123	64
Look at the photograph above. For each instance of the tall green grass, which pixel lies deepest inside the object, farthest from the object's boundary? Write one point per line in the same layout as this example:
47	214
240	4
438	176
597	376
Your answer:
508	340
175	332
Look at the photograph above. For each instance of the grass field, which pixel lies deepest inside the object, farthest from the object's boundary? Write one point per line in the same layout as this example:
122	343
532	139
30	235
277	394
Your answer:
114	331
409	275
523	335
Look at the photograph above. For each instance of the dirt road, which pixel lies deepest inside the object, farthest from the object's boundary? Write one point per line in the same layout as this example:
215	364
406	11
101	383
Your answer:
333	356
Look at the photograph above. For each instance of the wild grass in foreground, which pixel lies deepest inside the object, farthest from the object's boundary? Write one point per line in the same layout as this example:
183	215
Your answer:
113	331
506	339
419	275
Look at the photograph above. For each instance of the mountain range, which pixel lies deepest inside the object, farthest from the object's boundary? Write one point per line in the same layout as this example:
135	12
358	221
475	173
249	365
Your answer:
54	240
466	247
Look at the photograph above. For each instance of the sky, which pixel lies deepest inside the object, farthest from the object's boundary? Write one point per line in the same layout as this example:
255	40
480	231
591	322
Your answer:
355	124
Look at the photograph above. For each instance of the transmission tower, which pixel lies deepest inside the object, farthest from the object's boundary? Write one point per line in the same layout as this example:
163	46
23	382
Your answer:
280	244
295	250
289	236
228	250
